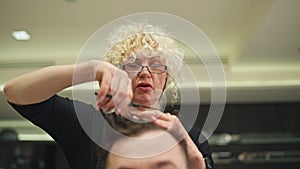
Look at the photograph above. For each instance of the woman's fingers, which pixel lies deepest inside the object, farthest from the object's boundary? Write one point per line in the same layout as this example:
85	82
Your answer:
122	94
116	83
169	122
162	123
164	120
103	91
143	116
172	124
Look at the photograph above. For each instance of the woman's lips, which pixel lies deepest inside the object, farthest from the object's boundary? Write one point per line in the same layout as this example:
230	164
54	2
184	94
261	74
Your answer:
144	86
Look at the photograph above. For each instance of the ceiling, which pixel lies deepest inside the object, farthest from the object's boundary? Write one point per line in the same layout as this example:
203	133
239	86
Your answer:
258	41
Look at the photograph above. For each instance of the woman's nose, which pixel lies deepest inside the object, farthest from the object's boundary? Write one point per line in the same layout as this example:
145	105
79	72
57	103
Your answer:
144	72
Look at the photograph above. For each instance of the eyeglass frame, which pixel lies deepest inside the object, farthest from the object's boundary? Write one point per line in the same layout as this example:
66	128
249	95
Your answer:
142	67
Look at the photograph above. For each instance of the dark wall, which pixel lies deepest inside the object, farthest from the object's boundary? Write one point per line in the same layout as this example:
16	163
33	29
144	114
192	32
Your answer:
260	117
274	127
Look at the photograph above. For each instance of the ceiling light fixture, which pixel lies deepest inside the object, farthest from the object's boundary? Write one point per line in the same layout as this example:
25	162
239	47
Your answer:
21	35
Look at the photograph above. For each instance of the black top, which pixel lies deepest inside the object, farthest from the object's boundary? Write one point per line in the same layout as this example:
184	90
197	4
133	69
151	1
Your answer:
57	116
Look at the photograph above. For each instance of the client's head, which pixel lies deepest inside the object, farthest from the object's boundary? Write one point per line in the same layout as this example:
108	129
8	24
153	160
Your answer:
144	146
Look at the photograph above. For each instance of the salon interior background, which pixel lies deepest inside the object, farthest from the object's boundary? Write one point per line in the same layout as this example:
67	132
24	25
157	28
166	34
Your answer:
258	43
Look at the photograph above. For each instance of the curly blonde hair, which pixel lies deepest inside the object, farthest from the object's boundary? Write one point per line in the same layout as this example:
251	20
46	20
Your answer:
132	38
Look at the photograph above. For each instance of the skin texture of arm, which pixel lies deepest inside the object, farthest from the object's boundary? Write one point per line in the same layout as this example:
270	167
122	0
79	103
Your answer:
41	84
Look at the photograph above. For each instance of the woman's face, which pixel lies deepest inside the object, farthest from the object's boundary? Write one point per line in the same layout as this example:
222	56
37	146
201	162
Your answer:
148	82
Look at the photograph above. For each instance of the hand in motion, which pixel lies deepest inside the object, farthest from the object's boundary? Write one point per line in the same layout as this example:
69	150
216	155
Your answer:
115	87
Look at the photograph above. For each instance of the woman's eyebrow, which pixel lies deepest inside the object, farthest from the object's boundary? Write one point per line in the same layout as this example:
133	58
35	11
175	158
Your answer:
154	57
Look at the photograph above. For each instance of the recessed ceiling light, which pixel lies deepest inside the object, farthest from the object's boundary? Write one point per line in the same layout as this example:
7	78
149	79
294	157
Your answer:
20	35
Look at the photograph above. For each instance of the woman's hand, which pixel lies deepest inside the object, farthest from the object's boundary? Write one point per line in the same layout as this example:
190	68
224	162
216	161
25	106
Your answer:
115	87
173	125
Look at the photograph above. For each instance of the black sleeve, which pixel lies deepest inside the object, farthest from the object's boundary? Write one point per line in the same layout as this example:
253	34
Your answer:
195	134
57	116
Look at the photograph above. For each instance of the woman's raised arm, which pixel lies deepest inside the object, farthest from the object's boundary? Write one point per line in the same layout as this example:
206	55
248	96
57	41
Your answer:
41	84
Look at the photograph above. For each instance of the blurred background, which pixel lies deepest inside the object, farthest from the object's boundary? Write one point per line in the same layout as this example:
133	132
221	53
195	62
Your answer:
258	43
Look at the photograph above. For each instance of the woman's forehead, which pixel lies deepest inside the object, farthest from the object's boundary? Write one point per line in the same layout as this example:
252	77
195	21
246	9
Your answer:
150	57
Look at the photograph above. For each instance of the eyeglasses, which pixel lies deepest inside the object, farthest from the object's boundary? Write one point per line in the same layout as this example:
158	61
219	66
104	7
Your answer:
134	68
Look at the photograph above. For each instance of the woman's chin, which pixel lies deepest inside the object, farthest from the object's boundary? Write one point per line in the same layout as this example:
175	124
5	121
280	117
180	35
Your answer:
143	99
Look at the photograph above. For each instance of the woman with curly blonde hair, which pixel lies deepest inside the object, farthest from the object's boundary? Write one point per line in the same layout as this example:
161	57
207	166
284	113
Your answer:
140	63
